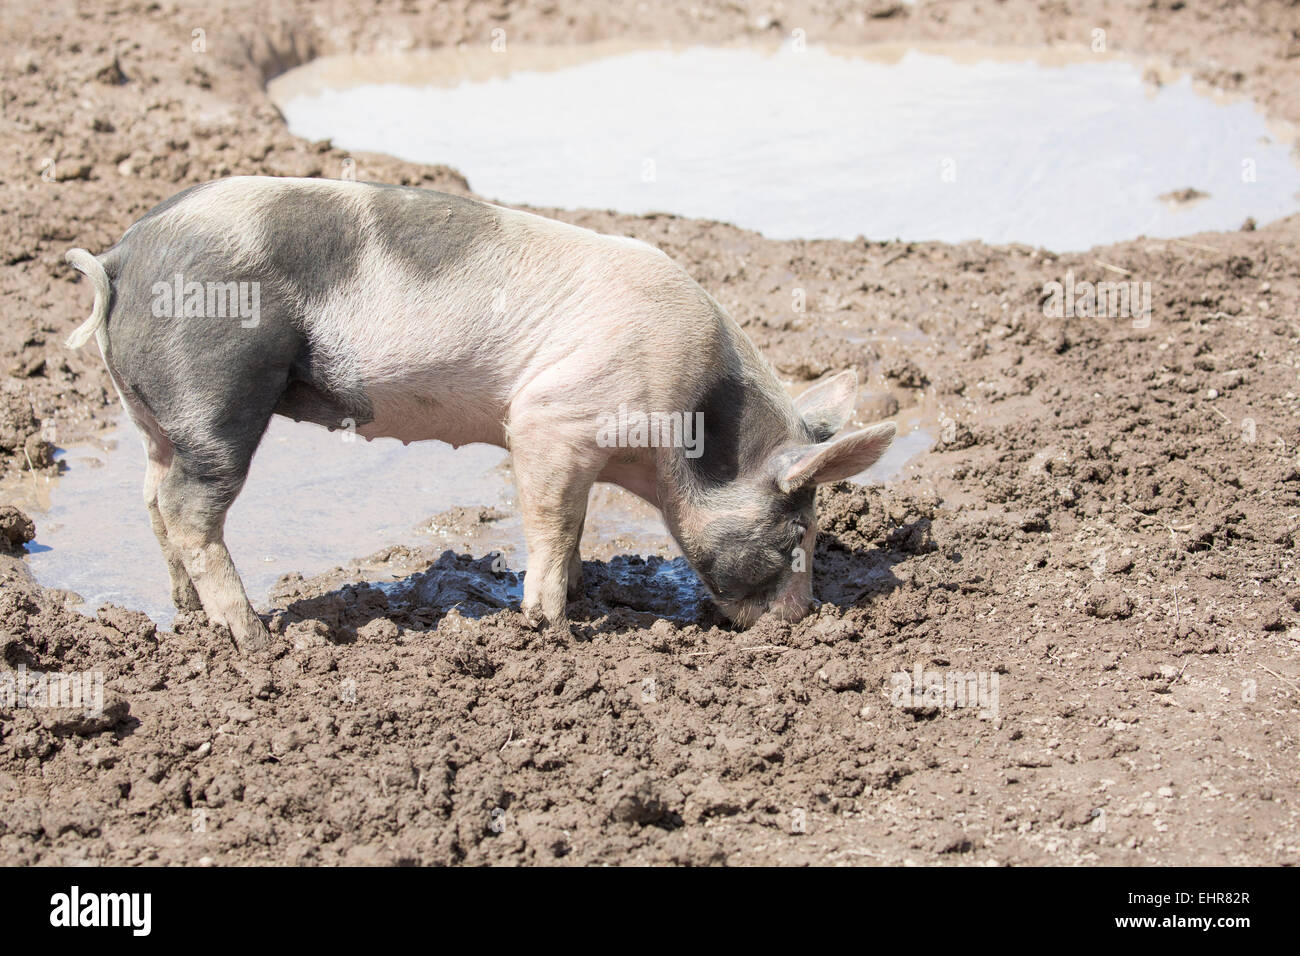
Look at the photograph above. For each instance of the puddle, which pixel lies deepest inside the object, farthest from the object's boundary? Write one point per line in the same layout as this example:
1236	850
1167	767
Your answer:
315	500
1064	151
909	446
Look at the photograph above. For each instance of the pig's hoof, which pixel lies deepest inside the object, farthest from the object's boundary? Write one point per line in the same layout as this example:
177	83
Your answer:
253	638
557	629
533	616
187	599
195	614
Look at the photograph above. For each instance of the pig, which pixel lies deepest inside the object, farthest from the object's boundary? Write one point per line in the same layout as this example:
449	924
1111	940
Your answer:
413	314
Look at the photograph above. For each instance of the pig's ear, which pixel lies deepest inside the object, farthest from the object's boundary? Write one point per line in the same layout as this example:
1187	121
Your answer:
836	460
828	405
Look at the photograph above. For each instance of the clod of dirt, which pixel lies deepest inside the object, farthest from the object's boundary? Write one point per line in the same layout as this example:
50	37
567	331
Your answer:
380	630
951	840
645	801
18	422
16	529
877	406
112	73
1180	197
905	372
712	798
830	630
840	676
37	453
135	624
70	721
471	660
1108	601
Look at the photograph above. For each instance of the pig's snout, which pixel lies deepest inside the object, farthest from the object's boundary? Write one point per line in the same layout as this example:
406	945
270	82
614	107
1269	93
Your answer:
792	605
752	574
745	614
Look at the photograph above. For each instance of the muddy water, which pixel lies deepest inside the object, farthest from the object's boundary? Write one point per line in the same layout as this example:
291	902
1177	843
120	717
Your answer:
313	501
1066	151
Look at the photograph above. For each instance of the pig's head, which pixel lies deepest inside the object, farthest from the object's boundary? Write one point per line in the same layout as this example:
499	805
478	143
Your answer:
750	534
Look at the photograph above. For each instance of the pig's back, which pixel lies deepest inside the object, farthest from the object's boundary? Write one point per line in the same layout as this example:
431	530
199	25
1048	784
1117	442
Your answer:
405	299
456	296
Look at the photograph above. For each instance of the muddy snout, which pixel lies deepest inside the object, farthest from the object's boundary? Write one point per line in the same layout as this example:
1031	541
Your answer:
794	604
745	614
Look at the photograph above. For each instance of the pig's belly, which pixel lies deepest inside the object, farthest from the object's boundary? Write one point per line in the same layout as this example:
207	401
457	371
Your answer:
418	412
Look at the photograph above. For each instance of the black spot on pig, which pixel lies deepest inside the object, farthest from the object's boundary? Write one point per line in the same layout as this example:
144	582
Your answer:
314	240
429	230
743	428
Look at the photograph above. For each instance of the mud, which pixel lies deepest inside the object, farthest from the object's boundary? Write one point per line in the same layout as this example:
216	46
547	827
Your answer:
1105	529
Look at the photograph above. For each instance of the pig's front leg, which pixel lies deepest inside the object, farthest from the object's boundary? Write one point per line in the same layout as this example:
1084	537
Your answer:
575	566
554	481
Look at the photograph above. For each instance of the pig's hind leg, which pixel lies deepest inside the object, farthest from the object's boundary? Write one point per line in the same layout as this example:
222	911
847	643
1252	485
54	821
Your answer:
215	423
193	499
184	596
159	451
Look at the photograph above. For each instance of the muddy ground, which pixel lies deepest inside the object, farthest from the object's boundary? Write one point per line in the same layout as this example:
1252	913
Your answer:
1106	527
